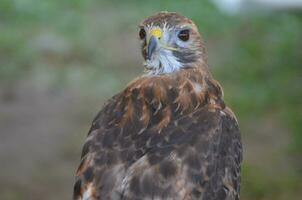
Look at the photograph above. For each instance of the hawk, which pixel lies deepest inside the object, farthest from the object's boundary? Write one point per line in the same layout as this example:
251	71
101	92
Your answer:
168	134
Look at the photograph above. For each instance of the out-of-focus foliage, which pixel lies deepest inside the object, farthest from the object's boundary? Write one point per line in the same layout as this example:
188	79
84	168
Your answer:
80	52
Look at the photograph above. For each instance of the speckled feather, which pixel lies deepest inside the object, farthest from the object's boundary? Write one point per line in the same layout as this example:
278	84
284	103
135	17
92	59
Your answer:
163	137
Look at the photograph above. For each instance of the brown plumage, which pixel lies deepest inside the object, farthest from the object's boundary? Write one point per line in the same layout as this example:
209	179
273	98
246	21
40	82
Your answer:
168	134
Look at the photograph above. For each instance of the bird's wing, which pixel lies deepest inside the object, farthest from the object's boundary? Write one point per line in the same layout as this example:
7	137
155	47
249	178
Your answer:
197	156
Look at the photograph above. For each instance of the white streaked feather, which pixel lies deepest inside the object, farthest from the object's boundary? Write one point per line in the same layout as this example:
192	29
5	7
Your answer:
162	63
88	193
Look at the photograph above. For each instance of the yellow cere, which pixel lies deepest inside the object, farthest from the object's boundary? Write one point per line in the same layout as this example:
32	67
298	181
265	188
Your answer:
156	33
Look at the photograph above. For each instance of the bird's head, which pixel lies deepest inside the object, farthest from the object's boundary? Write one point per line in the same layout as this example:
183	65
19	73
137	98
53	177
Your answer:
170	42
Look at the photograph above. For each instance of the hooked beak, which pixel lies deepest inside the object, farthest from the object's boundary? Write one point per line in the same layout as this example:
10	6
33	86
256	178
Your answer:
155	35
152	45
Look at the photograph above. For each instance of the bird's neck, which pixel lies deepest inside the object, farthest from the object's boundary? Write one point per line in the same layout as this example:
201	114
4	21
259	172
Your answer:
169	64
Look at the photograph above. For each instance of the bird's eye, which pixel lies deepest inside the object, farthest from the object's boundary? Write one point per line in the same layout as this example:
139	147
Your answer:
184	35
142	34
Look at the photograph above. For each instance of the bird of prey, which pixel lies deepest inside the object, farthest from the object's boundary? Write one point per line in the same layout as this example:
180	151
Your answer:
168	134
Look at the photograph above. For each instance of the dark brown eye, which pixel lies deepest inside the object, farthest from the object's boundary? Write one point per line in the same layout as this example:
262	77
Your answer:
142	34
184	35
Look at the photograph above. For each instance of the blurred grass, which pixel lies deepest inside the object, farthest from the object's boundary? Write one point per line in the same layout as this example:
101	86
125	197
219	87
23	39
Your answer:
88	47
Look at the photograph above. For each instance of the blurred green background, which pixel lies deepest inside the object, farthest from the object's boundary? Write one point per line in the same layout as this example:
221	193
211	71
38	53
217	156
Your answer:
61	59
